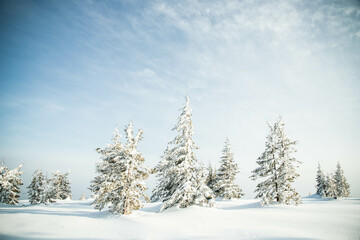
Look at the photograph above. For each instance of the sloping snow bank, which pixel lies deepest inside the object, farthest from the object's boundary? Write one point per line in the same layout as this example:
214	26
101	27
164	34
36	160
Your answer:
234	219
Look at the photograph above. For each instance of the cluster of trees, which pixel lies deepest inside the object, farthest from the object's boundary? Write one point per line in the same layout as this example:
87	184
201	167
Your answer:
333	185
182	180
10	183
48	190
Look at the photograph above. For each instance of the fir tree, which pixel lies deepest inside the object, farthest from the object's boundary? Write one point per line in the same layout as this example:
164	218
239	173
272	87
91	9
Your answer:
83	197
9	184
211	177
61	185
121	174
165	174
180	184
277	166
225	177
37	187
330	186
320	182
342	187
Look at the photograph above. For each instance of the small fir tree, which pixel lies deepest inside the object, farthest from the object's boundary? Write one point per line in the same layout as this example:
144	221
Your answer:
320	182
165	174
61	185
83	197
37	187
180	178
121	174
330	186
277	166
225	177
342	187
211	177
9	184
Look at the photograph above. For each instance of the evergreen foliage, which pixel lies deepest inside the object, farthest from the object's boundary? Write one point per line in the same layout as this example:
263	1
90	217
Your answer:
277	166
330	186
181	179
165	175
9	184
121	174
61	185
211	177
320	182
225	177
37	188
342	187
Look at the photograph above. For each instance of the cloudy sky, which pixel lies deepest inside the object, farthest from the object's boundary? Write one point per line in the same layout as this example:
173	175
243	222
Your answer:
71	71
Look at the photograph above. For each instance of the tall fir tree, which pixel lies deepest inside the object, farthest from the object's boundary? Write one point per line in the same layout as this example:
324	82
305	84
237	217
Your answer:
277	166
121	173
10	182
37	187
61	185
320	182
225	177
181	180
342	187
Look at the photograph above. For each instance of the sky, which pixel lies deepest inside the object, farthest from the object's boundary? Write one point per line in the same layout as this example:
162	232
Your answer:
72	71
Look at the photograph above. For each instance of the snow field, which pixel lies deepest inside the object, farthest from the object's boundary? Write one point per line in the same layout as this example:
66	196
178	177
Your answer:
232	219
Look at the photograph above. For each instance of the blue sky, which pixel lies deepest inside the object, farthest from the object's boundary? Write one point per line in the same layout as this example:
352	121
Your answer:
73	70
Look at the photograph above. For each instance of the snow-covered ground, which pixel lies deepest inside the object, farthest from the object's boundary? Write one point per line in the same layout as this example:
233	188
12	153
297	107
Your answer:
234	219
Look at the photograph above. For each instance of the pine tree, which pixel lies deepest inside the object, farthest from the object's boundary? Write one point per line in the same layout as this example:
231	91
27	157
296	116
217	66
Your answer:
225	177
211	177
37	187
342	187
320	182
9	184
61	185
121	174
277	166
180	184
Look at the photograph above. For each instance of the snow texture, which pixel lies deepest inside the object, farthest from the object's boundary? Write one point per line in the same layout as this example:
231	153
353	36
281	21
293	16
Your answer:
326	219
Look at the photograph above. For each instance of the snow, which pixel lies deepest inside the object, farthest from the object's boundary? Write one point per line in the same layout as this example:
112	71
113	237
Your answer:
229	219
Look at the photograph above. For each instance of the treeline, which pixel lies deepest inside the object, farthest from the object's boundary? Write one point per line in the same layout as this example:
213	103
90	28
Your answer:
41	189
182	180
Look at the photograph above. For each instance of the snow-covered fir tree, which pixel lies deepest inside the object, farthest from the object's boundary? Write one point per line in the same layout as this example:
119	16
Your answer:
330	186
50	194
61	185
83	197
120	182
342	187
10	183
320	182
165	174
211	177
225	176
277	166
181	182
37	187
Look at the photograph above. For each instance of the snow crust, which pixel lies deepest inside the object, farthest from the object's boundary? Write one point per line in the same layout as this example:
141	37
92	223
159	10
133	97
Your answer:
229	219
